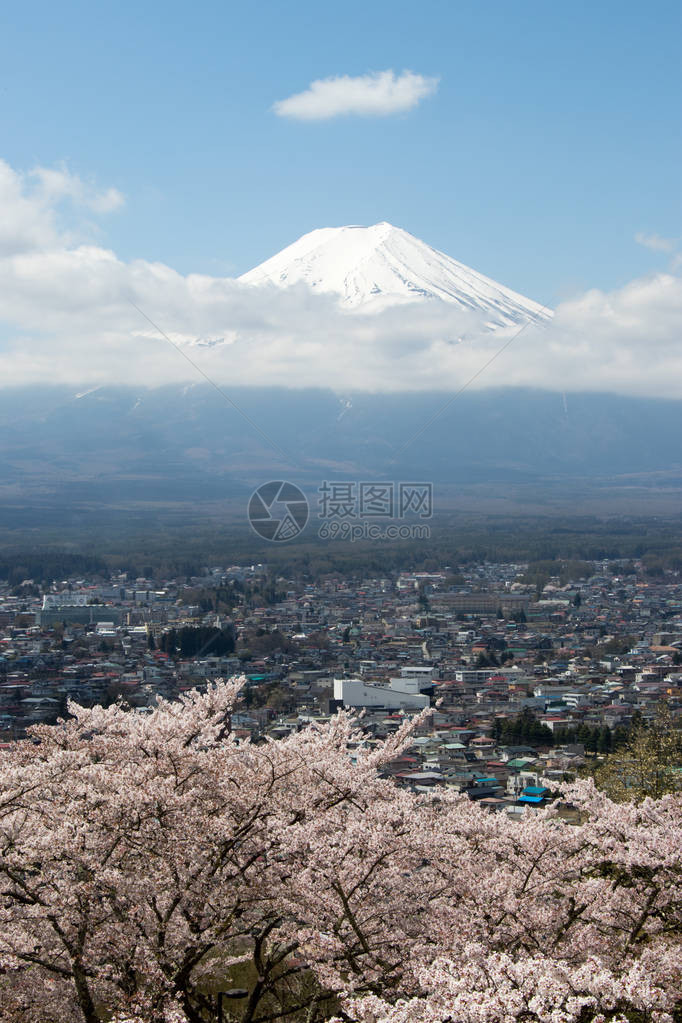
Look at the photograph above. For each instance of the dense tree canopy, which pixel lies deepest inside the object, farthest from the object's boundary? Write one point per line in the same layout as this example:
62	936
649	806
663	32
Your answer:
197	641
150	862
525	727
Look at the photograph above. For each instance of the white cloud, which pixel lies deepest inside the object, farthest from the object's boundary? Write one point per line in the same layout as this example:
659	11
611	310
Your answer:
656	242
25	222
31	207
372	95
66	307
57	184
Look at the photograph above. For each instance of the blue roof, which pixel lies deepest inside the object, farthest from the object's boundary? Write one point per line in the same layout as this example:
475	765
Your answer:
534	790
530	799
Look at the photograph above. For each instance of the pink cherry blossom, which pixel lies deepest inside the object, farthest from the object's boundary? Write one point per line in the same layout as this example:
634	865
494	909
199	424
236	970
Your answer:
149	862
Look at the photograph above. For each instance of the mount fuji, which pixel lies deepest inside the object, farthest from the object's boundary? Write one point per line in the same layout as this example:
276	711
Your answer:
137	451
372	268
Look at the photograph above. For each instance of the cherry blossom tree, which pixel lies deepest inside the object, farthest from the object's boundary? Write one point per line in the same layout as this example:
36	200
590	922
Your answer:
141	856
154	868
553	923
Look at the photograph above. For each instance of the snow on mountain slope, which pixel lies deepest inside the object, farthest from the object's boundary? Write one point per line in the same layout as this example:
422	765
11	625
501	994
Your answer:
375	267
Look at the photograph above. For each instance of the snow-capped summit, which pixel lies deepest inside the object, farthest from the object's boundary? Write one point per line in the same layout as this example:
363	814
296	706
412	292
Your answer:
379	266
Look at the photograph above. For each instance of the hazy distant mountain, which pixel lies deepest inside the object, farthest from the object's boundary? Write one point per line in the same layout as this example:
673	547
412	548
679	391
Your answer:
156	448
375	267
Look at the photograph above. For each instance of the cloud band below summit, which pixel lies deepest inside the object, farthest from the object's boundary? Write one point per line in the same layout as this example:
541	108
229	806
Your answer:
68	317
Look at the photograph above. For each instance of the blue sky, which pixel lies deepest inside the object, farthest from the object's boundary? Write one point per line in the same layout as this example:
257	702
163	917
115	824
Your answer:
552	140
